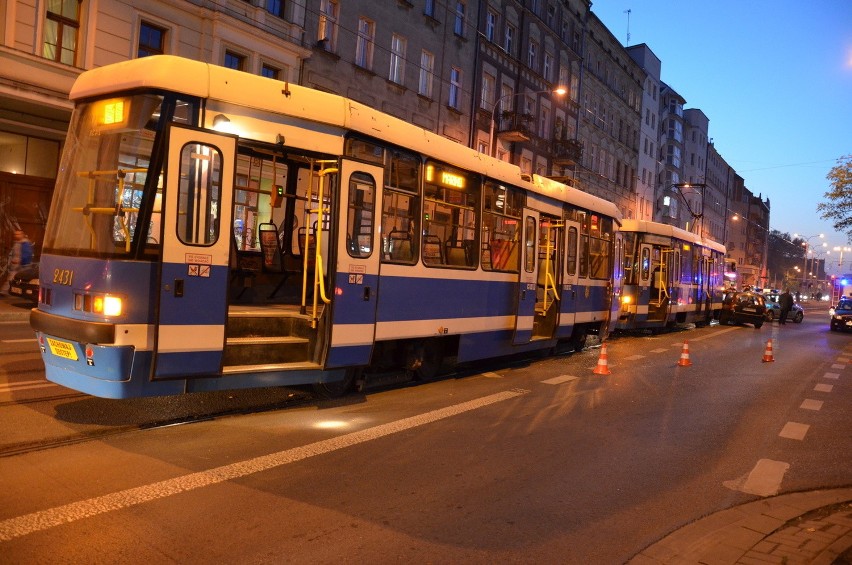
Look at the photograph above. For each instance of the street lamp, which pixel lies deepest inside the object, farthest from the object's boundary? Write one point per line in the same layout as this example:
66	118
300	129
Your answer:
806	245
560	91
841	249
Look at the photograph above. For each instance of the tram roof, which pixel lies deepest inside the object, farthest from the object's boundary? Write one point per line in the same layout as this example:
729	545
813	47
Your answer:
670	231
205	80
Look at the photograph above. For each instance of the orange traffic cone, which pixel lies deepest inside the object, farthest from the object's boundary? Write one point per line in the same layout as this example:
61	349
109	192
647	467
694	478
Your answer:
602	368
684	356
767	355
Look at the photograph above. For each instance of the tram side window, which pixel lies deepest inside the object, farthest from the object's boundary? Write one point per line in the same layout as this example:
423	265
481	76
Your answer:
450	233
501	219
529	245
359	220
571	255
631	265
596	247
199	194
258	175
646	264
401	208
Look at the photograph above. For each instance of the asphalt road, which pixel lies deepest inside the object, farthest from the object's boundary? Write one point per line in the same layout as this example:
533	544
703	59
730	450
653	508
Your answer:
538	461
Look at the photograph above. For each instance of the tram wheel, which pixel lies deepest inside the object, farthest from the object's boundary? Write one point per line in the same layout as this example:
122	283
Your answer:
578	339
425	358
337	389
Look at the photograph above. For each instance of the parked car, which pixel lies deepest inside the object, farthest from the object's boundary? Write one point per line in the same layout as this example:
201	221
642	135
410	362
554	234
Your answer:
743	307
841	316
773	308
25	283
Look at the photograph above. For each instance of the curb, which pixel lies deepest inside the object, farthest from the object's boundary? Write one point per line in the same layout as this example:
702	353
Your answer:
767	530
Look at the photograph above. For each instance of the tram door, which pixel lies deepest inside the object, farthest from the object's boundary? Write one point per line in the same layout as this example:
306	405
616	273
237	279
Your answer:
548	280
659	299
568	307
193	283
357	275
528	277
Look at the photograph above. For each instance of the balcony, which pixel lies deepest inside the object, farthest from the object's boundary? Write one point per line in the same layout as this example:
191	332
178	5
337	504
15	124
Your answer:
567	152
514	126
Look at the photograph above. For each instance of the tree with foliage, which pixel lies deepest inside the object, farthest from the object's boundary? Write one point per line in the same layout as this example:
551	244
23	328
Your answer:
838	208
785	253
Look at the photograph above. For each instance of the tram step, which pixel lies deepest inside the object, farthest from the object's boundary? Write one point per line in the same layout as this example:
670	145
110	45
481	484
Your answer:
267	349
262	326
267	340
269	367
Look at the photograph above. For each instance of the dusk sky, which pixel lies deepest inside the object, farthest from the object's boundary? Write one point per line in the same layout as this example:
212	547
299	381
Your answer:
775	80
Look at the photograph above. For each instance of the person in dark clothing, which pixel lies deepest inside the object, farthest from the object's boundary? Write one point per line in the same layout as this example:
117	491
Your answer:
785	301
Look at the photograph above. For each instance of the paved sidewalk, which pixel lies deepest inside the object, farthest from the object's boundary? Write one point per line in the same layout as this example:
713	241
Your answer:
13	309
813	528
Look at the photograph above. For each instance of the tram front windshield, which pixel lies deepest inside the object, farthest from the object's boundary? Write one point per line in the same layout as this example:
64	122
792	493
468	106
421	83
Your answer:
107	203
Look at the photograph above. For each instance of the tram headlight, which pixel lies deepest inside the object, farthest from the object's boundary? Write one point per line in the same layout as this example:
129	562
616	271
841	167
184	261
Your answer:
112	306
626	299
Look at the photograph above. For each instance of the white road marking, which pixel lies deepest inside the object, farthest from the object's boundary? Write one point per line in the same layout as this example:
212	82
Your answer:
44	519
560	379
831	376
809	404
11	387
634	357
492	375
659	350
794	430
843	360
823	388
764	480
838	366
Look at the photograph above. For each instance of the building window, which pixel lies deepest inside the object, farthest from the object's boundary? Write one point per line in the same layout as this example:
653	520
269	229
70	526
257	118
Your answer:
397	59
235	61
364	45
547	70
531	54
427	68
151	40
544	123
429	8
489	84
455	88
509	39
61	27
490	25
458	27
551	16
327	28
275	7
269	71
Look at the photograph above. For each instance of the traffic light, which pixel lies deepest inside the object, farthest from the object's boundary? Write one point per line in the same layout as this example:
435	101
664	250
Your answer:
277	196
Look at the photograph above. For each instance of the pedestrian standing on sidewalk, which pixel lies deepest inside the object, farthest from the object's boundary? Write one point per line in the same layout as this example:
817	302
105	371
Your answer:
785	301
20	256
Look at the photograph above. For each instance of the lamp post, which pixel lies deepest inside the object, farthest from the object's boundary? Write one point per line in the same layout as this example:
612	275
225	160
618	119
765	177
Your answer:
807	242
560	91
841	250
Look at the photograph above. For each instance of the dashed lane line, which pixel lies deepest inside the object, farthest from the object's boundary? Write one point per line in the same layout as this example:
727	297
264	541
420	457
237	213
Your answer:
560	379
45	519
823	388
794	430
809	404
763	480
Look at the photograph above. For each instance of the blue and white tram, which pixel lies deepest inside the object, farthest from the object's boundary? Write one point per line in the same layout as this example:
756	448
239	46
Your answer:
212	229
670	276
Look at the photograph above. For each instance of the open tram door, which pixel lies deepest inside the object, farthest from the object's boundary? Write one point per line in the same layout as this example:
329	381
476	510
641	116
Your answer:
570	280
356	279
549	278
659	298
193	279
527	279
